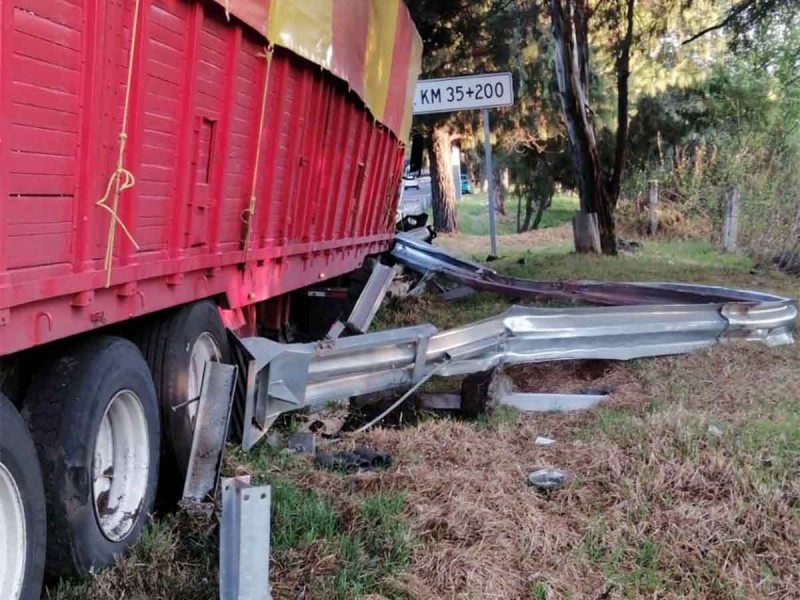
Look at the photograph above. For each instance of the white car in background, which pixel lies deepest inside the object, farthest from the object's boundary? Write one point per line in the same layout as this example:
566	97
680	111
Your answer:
410	182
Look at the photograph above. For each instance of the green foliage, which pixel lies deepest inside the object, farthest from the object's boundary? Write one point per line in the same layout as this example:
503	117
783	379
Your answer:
739	129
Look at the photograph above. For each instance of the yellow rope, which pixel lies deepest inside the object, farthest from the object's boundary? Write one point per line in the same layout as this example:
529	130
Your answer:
122	179
250	211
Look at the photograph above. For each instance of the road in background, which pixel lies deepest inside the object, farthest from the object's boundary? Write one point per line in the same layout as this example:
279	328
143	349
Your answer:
417	201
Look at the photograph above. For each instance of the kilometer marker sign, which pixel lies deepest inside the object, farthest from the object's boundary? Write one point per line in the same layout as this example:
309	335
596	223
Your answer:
471	92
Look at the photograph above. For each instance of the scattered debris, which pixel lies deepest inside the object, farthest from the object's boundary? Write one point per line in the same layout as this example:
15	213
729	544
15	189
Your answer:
547	480
375	459
362	458
715	431
302	442
544	441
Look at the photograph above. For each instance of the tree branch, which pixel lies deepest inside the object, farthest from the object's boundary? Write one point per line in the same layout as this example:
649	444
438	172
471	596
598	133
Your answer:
737	10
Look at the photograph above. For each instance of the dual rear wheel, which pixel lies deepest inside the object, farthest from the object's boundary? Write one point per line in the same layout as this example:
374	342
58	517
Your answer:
101	420
93	415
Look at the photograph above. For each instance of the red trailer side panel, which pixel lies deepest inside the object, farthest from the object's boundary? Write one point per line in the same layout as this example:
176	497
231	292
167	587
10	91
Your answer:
324	182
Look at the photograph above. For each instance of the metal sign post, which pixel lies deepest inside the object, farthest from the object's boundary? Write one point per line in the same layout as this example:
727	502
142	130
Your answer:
487	148
471	92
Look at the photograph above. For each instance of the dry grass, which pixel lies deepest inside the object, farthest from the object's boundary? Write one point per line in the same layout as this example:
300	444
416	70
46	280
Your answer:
657	507
477	246
685	483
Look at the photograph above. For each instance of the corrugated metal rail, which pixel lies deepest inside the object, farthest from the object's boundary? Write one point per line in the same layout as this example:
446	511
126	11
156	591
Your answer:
284	377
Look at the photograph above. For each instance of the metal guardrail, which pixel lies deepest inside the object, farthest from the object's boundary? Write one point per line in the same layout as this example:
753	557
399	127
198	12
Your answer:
286	377
411	250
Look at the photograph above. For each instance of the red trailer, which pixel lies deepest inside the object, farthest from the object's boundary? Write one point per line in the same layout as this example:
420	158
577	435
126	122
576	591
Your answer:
168	168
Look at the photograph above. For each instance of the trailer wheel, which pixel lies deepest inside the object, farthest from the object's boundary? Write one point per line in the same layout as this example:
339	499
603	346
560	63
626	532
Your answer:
23	526
177	347
94	418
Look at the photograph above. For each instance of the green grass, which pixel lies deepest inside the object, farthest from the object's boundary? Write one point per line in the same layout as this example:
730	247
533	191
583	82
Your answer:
377	547
300	516
658	261
473	216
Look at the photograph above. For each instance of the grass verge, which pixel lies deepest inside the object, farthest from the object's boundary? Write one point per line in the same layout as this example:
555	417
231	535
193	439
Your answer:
684	484
473	216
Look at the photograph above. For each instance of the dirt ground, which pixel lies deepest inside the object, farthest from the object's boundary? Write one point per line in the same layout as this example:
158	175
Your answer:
477	246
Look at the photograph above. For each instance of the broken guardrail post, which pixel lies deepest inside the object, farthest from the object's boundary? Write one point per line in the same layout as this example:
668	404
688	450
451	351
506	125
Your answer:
210	431
244	541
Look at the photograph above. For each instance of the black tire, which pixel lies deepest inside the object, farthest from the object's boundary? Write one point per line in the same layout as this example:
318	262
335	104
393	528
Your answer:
18	457
167	346
65	406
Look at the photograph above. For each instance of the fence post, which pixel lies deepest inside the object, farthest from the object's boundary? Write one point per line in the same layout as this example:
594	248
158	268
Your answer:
653	203
730	229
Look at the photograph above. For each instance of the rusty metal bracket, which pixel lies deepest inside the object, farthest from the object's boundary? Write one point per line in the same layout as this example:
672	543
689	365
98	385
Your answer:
210	431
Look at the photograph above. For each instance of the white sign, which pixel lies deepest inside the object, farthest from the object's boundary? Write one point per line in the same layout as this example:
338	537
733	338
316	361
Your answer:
463	93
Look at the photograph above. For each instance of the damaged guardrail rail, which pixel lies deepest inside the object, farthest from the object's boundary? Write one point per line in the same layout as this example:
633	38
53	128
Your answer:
285	377
413	252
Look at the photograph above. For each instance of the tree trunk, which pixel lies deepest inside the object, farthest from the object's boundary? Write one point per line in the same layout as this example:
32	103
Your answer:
570	31
443	195
544	204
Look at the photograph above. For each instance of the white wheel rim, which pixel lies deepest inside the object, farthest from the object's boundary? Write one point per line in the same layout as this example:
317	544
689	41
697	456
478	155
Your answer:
205	349
13	537
121	465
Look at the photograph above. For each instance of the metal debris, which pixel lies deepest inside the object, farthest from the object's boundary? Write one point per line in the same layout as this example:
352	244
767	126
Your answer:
244	541
210	431
431	261
368	303
302	442
525	402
